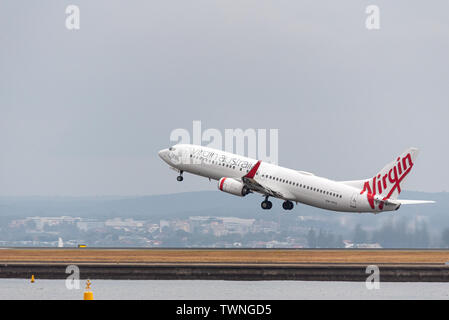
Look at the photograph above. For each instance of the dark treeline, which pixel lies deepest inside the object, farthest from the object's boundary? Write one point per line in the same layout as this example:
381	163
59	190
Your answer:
395	235
391	235
324	239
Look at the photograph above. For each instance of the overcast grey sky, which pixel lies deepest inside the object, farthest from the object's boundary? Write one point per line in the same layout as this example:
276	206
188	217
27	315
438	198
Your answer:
85	112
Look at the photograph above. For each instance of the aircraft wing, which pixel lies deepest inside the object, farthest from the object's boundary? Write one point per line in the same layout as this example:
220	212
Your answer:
252	184
256	186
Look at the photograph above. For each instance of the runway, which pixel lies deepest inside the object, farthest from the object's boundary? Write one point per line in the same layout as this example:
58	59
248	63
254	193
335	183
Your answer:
226	264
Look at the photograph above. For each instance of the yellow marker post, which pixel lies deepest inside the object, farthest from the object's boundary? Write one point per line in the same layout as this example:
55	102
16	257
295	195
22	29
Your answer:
32	278
88	295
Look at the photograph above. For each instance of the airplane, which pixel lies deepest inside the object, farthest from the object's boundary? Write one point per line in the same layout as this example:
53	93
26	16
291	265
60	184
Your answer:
241	176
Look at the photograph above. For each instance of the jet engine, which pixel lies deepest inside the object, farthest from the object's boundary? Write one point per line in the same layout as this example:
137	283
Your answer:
233	186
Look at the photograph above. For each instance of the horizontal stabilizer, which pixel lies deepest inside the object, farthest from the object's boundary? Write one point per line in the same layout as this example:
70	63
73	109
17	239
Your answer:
401	201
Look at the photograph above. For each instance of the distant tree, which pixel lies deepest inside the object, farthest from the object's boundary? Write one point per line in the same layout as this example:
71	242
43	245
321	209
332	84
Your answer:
360	235
339	242
311	239
445	237
325	239
321	239
422	236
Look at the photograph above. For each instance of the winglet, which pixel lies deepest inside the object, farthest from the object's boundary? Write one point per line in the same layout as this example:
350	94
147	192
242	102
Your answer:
253	170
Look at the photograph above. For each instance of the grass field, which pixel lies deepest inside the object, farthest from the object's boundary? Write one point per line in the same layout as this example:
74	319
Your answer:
352	256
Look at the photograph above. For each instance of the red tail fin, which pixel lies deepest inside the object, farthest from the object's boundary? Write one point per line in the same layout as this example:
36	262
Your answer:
253	170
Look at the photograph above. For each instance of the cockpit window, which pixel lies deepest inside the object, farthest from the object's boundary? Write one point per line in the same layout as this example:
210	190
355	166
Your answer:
171	149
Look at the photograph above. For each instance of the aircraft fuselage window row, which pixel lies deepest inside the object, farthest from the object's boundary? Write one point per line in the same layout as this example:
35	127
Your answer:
300	185
297	184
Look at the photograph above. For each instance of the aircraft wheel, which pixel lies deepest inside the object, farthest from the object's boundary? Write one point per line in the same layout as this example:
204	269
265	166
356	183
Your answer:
287	205
266	205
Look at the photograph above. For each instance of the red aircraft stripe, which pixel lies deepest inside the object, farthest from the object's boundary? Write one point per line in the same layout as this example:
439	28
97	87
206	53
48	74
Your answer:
221	183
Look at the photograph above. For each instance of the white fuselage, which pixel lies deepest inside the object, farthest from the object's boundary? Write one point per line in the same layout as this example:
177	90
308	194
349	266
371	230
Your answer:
295	186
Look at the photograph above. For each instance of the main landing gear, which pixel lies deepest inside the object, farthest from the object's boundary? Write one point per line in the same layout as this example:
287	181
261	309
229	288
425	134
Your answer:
266	205
287	205
180	178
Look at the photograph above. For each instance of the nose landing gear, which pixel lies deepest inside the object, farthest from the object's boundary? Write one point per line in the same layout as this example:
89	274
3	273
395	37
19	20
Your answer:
180	177
266	205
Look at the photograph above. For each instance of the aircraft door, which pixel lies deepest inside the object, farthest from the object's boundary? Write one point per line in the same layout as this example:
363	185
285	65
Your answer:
353	202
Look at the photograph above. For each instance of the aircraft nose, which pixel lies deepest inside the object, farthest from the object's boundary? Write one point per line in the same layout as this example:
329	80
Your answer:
163	154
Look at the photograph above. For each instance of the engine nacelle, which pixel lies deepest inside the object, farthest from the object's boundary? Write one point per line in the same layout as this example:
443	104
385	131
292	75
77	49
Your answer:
233	186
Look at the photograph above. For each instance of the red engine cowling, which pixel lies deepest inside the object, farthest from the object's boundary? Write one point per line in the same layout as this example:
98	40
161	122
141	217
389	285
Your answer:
233	186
